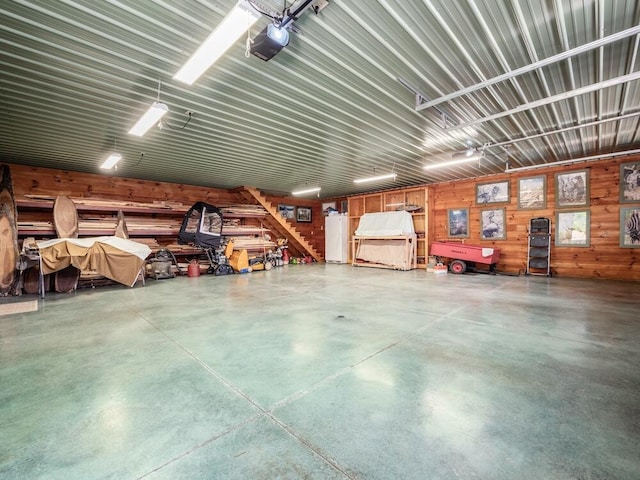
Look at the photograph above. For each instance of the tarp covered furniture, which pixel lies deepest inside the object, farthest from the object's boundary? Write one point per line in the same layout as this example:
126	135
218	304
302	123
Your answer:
115	258
385	240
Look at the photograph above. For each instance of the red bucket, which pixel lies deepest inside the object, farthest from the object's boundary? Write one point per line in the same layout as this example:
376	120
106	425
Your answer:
193	270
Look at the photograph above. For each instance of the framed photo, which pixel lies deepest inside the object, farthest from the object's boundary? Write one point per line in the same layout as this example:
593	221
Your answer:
532	193
458	222
572	189
493	224
287	211
328	206
630	182
303	214
344	208
497	192
630	227
572	228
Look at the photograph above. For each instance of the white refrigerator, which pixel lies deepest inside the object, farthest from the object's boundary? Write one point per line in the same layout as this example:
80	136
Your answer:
336	239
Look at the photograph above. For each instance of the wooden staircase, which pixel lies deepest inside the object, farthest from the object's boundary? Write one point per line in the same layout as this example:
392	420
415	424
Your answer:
278	224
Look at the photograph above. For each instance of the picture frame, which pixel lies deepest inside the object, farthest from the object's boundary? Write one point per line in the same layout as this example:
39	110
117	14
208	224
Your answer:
327	206
572	228
344	207
303	214
458	222
493	224
630	182
495	192
532	193
630	227
287	211
572	189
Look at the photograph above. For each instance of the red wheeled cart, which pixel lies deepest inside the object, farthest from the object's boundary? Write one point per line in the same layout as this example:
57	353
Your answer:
465	256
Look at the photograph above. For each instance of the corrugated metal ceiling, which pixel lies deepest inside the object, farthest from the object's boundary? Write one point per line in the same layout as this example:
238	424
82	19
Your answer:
343	100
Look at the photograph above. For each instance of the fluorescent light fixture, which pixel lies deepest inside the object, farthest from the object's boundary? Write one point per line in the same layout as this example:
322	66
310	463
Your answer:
150	118
111	161
237	22
308	190
457	160
376	178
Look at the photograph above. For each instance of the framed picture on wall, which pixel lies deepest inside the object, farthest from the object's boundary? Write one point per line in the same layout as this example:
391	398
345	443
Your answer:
572	228
493	224
532	193
497	192
344	206
287	211
630	227
458	222
572	189
630	182
303	214
328	206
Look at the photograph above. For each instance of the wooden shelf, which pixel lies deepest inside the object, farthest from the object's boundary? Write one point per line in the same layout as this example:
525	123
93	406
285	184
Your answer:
145	222
125	207
402	199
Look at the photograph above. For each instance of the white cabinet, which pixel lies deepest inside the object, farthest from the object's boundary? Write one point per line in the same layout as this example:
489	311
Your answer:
336	235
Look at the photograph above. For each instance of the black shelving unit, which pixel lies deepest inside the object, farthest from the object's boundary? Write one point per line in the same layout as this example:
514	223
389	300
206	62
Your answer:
539	251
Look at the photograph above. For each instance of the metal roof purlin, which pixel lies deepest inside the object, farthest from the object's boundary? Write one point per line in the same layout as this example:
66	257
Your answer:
556	98
534	66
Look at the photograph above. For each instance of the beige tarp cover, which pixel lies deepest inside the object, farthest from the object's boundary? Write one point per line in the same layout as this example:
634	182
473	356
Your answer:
373	247
116	258
382	224
385	252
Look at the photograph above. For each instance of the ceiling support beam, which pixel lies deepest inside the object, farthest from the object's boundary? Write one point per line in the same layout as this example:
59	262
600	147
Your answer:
534	66
562	130
574	160
445	117
556	98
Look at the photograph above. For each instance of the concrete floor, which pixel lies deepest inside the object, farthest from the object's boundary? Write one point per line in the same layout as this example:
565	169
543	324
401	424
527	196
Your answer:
325	372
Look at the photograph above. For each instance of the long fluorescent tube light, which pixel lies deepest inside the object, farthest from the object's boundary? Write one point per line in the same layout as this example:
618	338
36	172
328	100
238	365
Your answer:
451	163
150	118
308	190
237	22
111	161
376	178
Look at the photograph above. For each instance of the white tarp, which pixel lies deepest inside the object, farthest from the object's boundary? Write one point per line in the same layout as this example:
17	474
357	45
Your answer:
384	224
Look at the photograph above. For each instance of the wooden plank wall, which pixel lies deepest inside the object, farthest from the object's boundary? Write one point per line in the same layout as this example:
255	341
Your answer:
602	259
312	231
43	181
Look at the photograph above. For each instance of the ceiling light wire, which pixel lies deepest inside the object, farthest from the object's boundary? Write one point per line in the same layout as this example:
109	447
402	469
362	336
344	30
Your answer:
247	50
140	159
168	125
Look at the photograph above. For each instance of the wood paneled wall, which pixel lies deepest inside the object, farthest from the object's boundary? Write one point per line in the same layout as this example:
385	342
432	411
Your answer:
43	181
604	258
312	231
